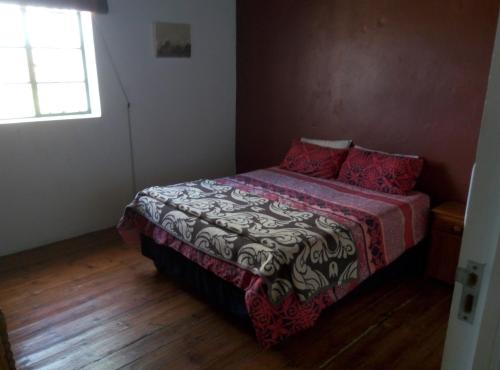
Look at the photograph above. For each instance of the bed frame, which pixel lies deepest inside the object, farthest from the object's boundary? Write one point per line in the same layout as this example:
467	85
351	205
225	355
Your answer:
196	279
230	299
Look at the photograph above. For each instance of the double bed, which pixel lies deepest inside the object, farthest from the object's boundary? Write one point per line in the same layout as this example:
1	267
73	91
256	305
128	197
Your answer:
274	246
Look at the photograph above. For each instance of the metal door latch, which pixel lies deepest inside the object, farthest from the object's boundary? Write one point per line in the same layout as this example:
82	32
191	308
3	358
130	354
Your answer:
470	278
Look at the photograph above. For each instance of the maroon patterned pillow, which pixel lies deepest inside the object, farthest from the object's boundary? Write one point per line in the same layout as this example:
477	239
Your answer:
314	160
388	173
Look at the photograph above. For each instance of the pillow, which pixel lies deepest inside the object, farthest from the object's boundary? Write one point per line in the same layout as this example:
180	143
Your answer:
334	144
388	173
314	160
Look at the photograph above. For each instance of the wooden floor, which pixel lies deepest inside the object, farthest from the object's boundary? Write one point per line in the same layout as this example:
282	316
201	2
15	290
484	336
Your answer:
95	303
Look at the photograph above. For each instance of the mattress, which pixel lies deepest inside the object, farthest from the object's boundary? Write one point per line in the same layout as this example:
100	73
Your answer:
382	226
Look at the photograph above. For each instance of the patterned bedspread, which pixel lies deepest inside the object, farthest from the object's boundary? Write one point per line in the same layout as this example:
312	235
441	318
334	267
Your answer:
294	250
268	231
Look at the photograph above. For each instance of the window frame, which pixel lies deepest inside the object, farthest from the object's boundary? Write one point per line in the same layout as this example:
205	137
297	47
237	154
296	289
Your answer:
90	80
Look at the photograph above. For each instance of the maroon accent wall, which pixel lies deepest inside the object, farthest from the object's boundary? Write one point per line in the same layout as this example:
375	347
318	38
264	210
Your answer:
396	75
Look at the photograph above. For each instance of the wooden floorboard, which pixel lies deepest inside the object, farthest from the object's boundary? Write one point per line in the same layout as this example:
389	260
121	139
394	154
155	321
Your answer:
95	303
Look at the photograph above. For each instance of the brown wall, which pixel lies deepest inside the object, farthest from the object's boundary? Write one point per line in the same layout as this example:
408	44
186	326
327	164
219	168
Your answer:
397	75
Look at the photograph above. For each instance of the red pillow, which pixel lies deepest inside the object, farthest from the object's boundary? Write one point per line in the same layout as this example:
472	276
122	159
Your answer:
388	173
314	160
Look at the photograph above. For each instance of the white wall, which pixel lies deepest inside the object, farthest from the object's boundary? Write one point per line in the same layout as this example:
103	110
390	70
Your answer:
65	178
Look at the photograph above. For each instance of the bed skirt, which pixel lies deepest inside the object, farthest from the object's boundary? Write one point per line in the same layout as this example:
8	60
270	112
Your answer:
195	279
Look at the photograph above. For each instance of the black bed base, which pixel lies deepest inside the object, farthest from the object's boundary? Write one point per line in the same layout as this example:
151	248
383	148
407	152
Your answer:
231	299
196	279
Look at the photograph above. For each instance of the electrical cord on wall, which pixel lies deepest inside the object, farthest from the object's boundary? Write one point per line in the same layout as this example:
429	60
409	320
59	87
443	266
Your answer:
129	119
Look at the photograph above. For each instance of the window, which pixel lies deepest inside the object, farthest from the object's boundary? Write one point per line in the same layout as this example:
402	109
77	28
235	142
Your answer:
47	64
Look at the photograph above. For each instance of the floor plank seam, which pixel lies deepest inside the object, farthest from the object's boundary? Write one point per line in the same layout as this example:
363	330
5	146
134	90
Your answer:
364	334
120	348
145	354
97	325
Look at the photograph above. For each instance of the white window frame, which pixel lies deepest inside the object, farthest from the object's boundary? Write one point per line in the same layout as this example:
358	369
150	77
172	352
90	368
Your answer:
90	76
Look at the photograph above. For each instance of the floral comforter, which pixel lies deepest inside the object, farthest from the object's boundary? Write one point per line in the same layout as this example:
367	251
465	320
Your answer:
294	250
293	243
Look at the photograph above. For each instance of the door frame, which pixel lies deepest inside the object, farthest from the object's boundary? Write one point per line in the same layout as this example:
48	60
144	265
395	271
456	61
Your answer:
471	346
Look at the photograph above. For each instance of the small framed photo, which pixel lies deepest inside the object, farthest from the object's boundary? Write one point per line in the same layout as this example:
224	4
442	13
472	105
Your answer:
172	40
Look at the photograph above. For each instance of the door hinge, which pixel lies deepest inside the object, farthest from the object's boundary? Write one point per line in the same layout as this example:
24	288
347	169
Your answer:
471	278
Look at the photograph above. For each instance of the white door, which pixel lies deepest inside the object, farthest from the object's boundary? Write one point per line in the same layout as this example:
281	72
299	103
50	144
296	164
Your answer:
472	346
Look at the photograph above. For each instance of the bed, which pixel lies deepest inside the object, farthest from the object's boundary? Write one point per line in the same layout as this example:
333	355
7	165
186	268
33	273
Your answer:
274	246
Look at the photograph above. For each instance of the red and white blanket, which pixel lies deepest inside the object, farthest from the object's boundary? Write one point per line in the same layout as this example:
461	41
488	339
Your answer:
382	227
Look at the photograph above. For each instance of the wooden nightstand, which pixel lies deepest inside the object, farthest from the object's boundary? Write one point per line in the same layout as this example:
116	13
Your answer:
446	237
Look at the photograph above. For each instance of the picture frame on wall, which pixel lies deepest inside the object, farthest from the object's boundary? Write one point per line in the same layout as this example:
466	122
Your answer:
172	40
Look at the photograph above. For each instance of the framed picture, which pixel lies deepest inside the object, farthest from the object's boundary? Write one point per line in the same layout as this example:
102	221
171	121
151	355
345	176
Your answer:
172	40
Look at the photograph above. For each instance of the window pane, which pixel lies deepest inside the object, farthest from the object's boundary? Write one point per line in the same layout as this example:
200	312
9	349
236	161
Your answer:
53	28
11	26
58	65
13	65
62	98
17	101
